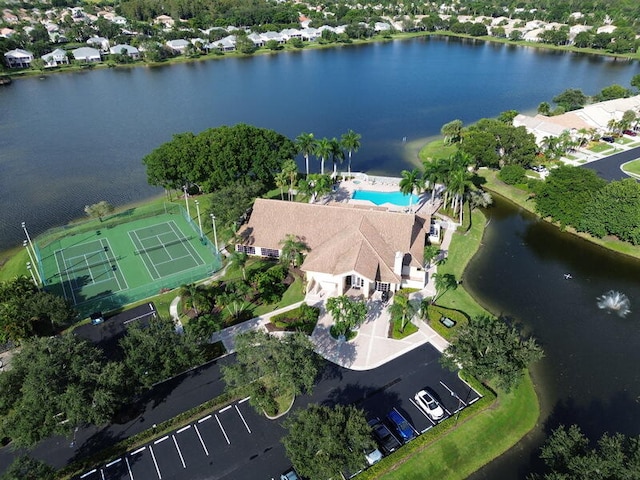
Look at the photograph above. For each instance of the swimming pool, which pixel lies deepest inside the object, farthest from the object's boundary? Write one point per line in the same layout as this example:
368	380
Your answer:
380	198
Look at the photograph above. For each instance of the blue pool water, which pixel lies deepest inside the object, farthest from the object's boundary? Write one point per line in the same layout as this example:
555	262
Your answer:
380	198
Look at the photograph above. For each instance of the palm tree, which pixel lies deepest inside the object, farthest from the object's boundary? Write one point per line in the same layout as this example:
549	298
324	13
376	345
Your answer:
239	260
350	142
430	176
459	184
322	149
402	309
337	154
319	185
306	144
411	180
290	171
281	182
293	249
443	282
193	295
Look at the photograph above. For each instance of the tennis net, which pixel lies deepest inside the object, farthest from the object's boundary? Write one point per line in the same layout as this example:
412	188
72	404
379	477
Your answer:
162	245
87	266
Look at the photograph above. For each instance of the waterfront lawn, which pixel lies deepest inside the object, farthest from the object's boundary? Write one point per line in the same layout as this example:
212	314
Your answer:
436	149
474	442
463	246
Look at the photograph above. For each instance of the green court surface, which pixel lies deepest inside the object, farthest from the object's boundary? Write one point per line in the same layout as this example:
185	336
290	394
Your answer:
115	264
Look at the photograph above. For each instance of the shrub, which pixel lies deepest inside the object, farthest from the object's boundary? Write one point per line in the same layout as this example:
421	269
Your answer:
512	174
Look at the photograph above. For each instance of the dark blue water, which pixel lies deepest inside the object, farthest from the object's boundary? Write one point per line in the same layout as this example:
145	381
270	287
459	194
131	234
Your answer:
73	139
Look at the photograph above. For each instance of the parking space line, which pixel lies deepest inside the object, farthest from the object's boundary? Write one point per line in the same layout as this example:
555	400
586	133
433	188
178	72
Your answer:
474	400
129	467
153	456
102	474
141	449
221	428
453	394
225	409
423	413
161	440
111	464
244	400
84	475
204	419
201	441
184	465
243	420
184	428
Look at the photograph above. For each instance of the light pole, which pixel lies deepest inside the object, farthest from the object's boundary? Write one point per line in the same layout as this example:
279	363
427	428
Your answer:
24	227
25	244
215	235
33	277
199	220
186	199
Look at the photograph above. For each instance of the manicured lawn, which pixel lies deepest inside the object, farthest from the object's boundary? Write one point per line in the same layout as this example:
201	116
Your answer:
600	147
475	441
397	334
632	167
436	149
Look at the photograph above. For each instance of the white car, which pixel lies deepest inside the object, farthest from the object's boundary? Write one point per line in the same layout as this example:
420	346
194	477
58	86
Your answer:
429	405
373	456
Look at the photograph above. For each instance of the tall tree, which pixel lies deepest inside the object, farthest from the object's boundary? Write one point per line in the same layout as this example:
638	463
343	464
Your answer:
56	384
347	313
293	249
351	143
411	181
290	171
443	283
238	260
452	131
489	348
402	309
337	154
322	442
322	150
306	144
27	468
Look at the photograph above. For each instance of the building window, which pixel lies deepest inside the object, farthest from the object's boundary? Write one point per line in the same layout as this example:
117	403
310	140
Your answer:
249	250
383	286
270	252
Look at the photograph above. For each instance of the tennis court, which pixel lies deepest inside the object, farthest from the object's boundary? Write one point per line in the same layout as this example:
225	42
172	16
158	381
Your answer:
164	250
88	270
111	265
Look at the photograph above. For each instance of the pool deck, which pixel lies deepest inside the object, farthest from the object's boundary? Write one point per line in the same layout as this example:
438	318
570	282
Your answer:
344	191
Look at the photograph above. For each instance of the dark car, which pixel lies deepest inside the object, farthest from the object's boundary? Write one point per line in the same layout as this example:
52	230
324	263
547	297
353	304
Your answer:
387	441
402	426
608	139
631	133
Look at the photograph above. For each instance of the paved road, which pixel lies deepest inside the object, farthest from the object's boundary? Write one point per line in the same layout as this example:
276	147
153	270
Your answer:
253	450
609	167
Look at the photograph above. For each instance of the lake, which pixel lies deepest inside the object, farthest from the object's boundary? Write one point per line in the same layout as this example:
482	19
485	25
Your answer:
69	140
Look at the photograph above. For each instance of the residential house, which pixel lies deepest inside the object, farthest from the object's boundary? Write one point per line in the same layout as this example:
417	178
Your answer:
178	46
128	50
164	20
9	17
18	58
6	32
86	54
99	42
268	36
257	39
55	58
226	44
366	249
310	34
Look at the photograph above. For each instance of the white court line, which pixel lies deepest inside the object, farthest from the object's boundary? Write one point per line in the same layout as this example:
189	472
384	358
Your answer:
203	419
184	465
85	475
221	428
201	441
112	258
177	258
225	408
129	467
244	399
243	420
64	290
184	428
110	464
141	449
155	462
131	234
161	440
171	224
75	302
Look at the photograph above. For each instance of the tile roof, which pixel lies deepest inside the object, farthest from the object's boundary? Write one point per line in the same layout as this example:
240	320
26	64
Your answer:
341	238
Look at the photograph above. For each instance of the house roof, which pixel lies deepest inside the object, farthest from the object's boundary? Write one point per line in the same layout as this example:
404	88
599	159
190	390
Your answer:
18	53
85	52
341	238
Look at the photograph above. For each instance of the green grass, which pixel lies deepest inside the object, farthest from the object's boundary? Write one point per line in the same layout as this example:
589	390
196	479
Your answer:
600	147
397	334
436	149
632	167
474	442
463	246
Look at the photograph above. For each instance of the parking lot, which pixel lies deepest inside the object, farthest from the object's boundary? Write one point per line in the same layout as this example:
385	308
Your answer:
237	443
